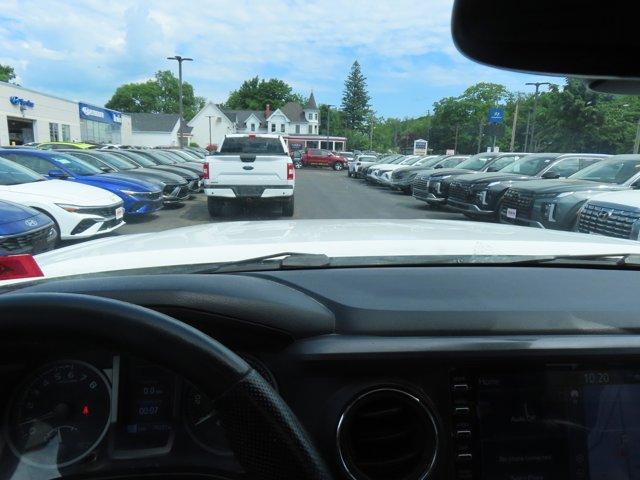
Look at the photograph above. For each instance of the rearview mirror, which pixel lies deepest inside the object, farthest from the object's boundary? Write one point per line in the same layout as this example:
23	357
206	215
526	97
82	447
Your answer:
594	41
438	166
106	169
57	173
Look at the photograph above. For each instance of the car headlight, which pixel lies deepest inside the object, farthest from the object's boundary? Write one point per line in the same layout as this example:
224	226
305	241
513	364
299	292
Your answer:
564	194
492	184
68	207
548	211
133	193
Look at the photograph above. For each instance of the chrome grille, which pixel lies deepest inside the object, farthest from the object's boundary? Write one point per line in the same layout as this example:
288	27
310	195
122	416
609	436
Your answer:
609	221
25	241
460	192
519	200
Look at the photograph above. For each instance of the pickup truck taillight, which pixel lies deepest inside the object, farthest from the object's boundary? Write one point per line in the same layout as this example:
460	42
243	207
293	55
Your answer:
290	171
205	170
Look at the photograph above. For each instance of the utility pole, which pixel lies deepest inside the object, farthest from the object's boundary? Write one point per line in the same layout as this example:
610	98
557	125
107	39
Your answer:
479	136
533	114
455	142
328	124
180	59
514	125
210	117
526	132
636	144
371	132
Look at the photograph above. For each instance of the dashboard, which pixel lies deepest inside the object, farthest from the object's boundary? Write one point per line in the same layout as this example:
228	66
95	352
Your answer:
396	373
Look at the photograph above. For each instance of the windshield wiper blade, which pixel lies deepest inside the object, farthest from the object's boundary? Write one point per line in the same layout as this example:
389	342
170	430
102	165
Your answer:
617	259
274	261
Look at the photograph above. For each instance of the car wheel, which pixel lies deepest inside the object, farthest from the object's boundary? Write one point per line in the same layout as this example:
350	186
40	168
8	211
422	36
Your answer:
215	206
349	173
337	166
288	207
297	164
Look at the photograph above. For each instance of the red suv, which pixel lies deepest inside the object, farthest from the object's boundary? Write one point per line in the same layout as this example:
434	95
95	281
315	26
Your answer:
323	158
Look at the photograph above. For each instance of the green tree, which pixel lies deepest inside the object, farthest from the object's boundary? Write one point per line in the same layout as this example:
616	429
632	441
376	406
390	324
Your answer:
355	99
7	73
159	95
255	94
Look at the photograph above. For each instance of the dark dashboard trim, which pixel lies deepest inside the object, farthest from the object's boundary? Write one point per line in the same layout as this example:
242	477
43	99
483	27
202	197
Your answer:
340	347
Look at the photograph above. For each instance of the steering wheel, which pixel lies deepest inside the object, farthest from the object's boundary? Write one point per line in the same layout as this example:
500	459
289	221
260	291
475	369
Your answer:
265	435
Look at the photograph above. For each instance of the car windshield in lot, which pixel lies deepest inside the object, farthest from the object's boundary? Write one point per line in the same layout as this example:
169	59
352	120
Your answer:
138	158
609	171
14	174
476	162
530	165
75	165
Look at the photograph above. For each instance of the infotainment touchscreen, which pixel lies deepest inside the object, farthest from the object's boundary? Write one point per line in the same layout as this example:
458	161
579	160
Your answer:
559	425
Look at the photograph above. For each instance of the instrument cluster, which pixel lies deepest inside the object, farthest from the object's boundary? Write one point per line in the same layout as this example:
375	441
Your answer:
78	415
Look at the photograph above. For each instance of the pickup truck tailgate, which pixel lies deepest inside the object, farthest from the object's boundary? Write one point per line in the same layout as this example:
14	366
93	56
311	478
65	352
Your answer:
248	170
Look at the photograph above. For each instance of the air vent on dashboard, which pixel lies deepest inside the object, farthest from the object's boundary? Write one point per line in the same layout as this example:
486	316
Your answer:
387	434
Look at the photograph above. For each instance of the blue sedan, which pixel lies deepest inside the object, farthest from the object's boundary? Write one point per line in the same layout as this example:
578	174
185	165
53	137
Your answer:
25	230
140	197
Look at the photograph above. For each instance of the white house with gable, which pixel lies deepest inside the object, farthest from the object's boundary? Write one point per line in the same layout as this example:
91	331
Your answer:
299	124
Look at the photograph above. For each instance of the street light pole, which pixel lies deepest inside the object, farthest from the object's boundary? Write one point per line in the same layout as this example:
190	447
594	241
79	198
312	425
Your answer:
210	117
513	127
533	114
180	59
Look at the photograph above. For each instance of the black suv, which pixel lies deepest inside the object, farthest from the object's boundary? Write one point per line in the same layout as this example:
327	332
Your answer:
478	195
555	203
432	186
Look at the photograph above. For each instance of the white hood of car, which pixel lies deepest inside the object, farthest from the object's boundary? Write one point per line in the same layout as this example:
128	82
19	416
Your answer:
623	198
232	241
62	191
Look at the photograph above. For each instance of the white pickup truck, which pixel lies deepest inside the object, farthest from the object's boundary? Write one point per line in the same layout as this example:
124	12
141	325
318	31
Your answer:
249	168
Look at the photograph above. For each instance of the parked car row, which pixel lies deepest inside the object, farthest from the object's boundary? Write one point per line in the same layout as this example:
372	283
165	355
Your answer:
49	195
187	152
585	192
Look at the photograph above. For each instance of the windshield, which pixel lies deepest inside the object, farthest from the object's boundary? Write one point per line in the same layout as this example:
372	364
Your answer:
531	165
74	165
114	160
610	171
14	174
138	158
476	162
272	120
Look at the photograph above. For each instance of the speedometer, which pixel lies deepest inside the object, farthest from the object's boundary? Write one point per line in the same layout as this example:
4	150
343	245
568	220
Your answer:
60	415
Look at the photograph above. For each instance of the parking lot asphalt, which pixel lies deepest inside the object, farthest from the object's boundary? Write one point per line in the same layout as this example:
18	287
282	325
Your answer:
320	194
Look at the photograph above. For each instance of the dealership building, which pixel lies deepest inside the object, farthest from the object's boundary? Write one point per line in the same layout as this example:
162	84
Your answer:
30	116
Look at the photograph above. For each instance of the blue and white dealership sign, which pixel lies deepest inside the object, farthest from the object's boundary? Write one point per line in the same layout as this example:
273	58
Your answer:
496	115
97	114
21	102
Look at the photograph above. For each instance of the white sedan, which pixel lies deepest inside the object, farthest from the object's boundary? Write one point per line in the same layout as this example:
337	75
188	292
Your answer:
78	211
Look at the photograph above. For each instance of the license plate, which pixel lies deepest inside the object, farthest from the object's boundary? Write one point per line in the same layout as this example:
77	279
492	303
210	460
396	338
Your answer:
511	213
119	213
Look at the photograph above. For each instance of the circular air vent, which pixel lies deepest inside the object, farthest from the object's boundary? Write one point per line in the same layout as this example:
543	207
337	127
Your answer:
387	434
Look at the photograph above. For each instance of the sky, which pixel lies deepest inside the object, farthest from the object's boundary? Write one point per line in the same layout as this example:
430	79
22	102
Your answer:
84	49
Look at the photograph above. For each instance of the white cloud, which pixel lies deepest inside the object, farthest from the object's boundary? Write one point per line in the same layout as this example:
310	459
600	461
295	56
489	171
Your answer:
89	47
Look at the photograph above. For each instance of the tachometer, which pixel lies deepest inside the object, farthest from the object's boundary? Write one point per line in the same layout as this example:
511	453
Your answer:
60	415
203	421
